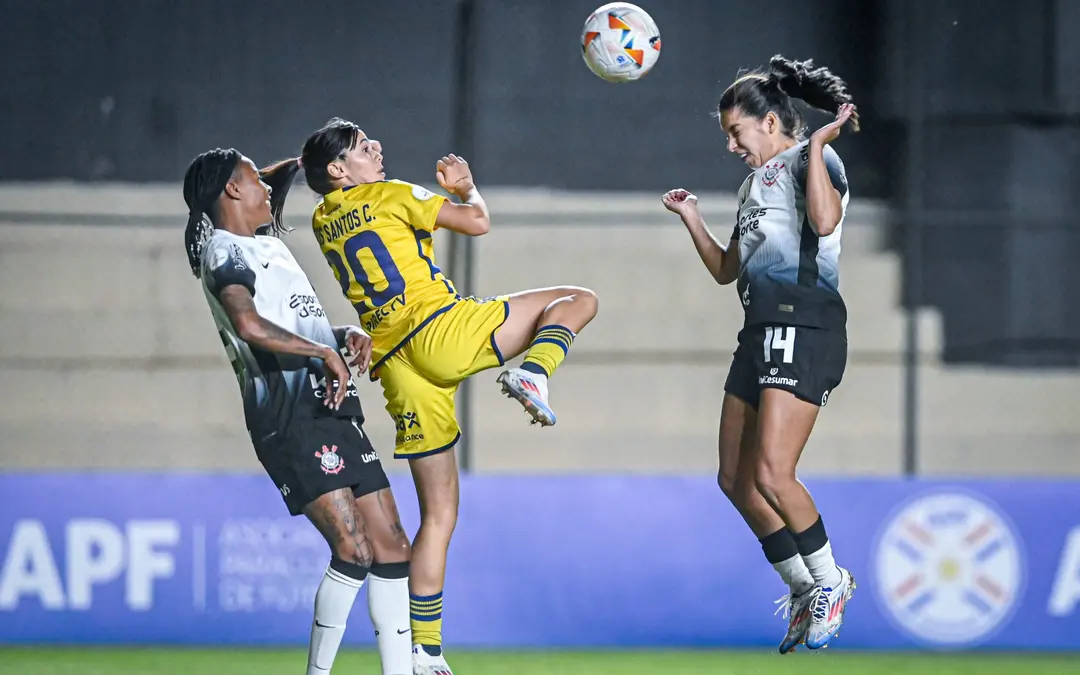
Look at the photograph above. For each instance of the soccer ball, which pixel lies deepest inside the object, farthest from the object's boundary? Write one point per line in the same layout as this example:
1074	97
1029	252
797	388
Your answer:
620	42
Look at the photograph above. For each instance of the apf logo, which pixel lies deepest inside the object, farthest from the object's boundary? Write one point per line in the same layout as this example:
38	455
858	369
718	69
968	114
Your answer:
949	569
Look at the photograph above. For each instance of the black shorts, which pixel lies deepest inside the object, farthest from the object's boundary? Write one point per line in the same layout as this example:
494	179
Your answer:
808	362
317	455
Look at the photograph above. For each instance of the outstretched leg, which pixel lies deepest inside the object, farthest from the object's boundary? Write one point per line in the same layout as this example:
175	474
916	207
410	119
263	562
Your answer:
545	322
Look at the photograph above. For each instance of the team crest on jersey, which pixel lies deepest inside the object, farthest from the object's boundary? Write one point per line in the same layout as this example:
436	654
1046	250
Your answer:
771	173
329	460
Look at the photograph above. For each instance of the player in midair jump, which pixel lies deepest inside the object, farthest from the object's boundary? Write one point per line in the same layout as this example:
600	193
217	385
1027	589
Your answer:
792	352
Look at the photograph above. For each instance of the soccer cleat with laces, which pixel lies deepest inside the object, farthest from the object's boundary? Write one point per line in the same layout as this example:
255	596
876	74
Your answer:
426	664
796	609
827	611
530	390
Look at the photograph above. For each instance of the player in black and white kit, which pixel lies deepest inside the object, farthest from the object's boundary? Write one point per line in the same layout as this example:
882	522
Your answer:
784	254
301	407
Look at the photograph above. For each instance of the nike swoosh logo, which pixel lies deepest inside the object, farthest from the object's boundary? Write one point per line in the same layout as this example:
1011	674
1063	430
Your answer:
402	632
265	265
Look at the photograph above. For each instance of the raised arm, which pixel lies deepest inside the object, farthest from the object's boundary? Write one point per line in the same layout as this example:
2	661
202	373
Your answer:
470	217
826	184
721	261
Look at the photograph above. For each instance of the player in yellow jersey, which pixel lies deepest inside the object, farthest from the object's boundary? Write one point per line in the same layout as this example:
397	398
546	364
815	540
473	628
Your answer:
426	338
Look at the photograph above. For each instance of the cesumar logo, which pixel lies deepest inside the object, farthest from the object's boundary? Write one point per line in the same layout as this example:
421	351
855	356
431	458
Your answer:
773	378
949	568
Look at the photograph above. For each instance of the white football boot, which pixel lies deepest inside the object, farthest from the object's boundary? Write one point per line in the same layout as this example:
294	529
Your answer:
530	390
426	664
827	611
796	609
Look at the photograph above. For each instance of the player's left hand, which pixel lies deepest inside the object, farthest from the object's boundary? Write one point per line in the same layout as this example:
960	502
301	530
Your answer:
831	131
359	345
454	175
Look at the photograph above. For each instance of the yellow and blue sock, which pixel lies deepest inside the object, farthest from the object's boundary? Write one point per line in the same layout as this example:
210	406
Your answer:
425	618
548	349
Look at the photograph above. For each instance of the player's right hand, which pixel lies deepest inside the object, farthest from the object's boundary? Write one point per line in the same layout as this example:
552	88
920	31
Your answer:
680	201
337	379
454	175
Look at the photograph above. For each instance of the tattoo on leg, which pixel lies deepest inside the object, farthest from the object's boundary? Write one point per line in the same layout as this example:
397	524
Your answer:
337	519
389	510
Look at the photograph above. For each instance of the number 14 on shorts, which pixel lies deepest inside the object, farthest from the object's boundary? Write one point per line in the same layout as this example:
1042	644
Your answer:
780	339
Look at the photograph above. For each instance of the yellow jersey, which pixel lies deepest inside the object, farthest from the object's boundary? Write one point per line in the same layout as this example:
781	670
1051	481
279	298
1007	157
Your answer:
377	239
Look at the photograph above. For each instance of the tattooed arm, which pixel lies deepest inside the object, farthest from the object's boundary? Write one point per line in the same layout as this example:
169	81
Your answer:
253	329
257	331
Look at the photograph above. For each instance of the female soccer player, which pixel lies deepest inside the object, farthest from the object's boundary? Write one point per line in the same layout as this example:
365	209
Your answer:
301	408
792	350
426	339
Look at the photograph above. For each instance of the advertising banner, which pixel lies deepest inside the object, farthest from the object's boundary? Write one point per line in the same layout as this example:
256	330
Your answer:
568	561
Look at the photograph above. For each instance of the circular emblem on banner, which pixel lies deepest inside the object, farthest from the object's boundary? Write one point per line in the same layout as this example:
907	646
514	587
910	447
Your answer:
949	568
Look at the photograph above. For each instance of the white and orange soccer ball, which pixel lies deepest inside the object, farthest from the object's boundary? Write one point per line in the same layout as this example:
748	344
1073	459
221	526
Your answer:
620	42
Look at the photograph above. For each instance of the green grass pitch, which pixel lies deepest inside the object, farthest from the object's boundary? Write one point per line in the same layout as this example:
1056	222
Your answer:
170	661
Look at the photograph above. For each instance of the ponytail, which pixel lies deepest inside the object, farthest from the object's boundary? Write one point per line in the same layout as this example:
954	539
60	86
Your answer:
196	234
772	90
204	182
817	87
280	177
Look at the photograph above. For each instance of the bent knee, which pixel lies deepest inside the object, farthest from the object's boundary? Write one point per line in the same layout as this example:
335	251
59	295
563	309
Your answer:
441	519
394	549
586	298
726	479
357	550
740	489
771	479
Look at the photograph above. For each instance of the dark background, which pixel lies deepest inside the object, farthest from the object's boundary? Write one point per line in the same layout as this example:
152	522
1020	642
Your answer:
982	96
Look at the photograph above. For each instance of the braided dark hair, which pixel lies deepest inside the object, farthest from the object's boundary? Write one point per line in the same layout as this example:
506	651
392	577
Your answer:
772	89
204	182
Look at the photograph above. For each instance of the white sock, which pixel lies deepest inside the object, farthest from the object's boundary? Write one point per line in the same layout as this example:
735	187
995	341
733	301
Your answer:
388	604
822	567
333	602
795	574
